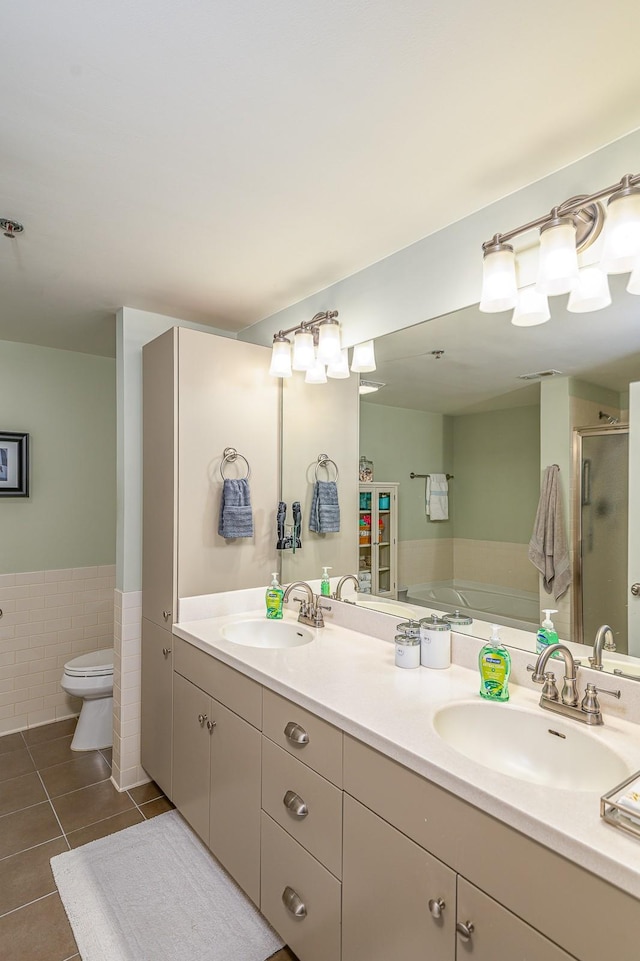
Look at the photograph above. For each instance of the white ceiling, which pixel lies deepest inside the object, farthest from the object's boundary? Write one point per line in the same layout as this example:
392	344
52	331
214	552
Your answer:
220	160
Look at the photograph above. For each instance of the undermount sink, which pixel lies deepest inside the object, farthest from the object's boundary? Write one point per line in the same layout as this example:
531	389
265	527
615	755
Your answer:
536	747
260	632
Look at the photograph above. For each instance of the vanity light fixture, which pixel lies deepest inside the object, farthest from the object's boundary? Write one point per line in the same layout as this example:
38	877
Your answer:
566	231
317	351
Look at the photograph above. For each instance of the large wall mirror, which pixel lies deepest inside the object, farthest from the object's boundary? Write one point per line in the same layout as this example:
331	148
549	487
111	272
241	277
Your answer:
492	405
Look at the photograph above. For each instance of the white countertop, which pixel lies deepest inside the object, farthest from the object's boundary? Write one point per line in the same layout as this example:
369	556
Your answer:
350	679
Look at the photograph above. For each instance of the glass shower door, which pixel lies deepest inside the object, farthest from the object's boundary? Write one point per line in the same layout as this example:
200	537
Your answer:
604	497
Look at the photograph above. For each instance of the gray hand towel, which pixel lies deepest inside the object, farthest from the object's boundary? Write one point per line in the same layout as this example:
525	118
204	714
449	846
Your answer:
324	516
236	518
548	549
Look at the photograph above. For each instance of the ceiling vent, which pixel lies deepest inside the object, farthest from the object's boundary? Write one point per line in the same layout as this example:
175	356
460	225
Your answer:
539	374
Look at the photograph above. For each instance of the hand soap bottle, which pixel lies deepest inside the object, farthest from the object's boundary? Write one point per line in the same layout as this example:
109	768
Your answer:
273	599
547	634
325	583
494	662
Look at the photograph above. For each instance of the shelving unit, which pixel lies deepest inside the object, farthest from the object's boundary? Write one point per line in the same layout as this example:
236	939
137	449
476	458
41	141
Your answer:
378	538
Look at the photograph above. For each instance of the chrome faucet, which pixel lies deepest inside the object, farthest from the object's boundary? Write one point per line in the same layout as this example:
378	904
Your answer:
337	594
310	608
588	711
604	642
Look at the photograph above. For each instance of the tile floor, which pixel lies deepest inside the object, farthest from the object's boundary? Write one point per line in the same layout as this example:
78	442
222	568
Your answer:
53	799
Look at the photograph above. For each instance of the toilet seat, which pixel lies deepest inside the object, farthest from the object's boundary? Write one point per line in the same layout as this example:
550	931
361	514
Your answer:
94	664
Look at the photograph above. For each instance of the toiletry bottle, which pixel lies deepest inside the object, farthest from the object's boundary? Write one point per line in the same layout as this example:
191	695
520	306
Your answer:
494	662
273	599
325	583
547	634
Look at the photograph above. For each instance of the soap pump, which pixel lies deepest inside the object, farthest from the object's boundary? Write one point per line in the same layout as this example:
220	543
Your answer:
274	597
547	633
494	662
325	583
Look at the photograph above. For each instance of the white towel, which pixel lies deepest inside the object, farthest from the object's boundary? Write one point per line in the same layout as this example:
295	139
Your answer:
437	497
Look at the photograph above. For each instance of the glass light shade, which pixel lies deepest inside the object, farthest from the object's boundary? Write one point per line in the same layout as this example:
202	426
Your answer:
303	351
316	374
622	233
280	358
499	287
364	358
633	287
339	368
532	308
328	341
558	266
592	292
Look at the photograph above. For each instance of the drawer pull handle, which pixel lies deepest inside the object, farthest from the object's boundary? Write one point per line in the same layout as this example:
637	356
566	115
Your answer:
166	651
465	930
294	803
296	734
211	725
294	903
436	907
201	719
166	615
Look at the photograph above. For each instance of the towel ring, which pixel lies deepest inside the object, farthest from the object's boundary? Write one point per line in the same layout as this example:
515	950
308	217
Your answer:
230	455
323	461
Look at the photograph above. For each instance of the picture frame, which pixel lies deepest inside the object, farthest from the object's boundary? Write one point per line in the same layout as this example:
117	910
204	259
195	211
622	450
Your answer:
14	464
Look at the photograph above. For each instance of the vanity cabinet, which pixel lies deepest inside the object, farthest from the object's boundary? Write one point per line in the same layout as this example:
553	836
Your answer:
378	539
217	762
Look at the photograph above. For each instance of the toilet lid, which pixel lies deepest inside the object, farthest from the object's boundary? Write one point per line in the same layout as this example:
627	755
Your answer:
95	664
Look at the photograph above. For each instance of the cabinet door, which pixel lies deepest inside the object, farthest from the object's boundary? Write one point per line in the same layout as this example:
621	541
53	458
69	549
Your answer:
497	933
387	884
234	835
159	480
156	727
191	754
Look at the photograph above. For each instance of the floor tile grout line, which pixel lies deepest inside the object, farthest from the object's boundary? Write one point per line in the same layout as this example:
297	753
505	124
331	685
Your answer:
55	813
32	847
29	903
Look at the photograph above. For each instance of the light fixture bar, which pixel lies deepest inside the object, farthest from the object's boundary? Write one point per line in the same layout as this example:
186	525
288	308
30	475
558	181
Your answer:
568	208
309	324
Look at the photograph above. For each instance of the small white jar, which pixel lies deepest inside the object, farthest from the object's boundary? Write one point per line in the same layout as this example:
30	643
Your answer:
407	651
435	643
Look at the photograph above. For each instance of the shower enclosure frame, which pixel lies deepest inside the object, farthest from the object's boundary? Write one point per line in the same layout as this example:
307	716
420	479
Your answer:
579	433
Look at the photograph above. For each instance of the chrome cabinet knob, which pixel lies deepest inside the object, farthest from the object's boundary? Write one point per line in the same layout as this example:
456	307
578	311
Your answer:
201	719
465	929
635	590
166	615
294	903
295	733
294	803
211	725
436	907
166	651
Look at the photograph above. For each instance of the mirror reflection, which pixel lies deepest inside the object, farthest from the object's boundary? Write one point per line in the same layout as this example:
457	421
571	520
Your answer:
492	406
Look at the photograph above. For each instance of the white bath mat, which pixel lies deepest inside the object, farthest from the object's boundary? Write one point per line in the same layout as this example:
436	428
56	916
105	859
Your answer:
154	893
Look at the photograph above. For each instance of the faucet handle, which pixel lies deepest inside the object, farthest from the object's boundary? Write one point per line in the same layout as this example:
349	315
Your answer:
603	690
590	703
550	691
537	678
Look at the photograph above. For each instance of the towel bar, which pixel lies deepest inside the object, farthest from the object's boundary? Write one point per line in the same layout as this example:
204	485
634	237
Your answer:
412	475
229	456
323	461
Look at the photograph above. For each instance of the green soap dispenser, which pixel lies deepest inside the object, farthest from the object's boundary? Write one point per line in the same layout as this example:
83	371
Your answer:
273	599
494	662
547	634
325	583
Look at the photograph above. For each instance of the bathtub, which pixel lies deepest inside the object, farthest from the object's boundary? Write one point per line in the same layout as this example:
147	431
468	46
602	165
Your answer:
512	608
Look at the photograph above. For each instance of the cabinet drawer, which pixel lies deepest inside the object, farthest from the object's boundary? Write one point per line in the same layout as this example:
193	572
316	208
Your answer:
239	693
319	830
309	738
490	854
288	869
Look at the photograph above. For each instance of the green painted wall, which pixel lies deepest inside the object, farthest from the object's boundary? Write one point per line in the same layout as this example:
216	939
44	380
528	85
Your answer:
400	441
66	402
497	474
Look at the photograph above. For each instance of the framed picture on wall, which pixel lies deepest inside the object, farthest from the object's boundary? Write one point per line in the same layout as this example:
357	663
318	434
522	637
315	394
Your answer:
14	464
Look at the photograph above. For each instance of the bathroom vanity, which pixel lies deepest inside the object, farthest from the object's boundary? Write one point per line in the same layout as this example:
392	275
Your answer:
316	776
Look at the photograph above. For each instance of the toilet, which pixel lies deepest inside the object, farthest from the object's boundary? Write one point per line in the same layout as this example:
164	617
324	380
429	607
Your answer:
90	677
